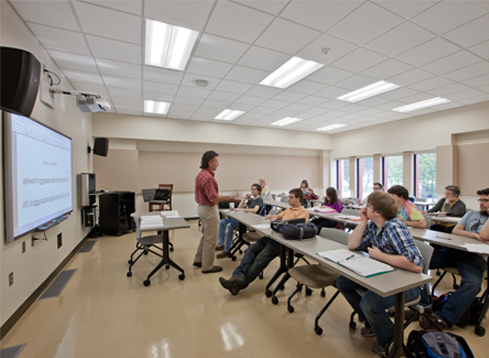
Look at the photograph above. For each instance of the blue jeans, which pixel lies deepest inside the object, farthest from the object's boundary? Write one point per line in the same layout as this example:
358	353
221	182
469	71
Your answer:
471	267
256	258
226	233
372	308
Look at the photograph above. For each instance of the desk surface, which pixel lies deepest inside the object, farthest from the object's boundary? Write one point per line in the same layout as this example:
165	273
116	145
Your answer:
168	224
385	285
446	219
280	204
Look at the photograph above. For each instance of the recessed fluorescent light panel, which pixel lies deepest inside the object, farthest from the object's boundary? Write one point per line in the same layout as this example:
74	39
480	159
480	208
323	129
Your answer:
168	46
331	127
156	107
369	91
290	72
286	121
229	115
423	104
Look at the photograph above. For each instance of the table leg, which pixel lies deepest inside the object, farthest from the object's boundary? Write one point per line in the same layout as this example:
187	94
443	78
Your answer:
397	349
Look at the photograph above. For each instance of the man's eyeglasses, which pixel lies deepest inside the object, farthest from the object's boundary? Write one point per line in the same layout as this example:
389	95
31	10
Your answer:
483	200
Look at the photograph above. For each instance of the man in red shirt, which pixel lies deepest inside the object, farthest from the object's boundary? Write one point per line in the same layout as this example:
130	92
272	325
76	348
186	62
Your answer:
207	196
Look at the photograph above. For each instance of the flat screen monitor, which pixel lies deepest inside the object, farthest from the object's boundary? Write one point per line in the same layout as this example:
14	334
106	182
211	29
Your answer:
38	175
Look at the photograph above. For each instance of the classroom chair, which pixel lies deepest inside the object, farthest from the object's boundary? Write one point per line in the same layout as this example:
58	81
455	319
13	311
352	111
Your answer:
317	276
160	206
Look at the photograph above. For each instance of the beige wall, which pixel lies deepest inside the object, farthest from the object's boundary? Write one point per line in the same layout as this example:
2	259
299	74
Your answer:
37	263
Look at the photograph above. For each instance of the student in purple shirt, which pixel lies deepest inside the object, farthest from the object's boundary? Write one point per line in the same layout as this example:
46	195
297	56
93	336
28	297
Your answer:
331	201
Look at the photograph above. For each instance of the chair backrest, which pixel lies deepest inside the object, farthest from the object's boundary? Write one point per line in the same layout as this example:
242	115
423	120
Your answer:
137	220
335	235
148	194
273	196
411	198
348	211
273	212
167	186
421	199
285	199
428	220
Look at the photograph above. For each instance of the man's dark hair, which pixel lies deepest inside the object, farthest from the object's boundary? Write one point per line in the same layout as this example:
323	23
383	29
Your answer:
483	191
298	193
400	191
384	204
454	189
258	187
381	186
206	158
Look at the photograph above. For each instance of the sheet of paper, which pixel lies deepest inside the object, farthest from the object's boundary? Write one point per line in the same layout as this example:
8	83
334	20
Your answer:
170	214
479	248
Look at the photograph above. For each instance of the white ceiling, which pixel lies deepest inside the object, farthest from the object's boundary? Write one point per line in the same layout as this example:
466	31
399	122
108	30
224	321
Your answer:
430	48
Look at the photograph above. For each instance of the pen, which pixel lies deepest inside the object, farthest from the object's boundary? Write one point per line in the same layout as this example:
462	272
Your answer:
441	237
350	257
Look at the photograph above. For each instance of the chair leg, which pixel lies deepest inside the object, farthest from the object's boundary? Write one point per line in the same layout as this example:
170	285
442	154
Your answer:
318	329
290	308
437	282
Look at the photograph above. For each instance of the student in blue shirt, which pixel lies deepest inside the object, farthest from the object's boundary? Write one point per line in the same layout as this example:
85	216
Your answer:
386	239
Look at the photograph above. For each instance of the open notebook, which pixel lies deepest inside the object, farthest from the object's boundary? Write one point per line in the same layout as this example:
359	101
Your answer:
357	263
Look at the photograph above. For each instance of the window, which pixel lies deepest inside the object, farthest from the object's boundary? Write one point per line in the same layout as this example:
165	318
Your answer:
425	175
365	176
343	177
392	166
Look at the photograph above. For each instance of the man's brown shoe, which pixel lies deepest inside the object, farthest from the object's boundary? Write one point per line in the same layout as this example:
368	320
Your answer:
219	247
222	255
214	269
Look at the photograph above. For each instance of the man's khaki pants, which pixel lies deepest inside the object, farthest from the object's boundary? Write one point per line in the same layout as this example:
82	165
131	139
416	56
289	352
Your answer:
209	215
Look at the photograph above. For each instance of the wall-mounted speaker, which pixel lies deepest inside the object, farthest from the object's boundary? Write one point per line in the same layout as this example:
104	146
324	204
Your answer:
101	146
19	77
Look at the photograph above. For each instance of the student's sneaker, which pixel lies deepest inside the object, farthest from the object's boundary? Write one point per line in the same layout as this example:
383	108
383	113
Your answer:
367	332
431	322
377	348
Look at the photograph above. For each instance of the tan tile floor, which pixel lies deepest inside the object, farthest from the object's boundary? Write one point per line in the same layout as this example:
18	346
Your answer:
103	313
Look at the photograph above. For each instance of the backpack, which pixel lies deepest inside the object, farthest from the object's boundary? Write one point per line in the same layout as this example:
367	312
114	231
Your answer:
296	229
434	344
470	317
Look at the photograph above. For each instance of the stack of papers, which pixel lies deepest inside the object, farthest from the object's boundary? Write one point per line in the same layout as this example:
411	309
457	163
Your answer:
151	221
325	210
350	217
357	263
170	214
479	248
437	214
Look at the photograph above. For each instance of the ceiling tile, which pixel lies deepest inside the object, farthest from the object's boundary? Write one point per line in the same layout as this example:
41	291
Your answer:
187	103
121	26
296	35
356	82
218	104
121	82
405	8
330	75
312	100
365	23
159	87
61	40
468	72
250	100
472	33
223	96
317	14
448	90
162	75
410	77
264	59
481	50
189	80
115	50
219	48
73	61
233	87
467	94
189	14
398	93
83	77
263	91
387	69
132	6
429	51
51	13
289	96
246	74
337	48
195	92
429	84
400	39
115	68
234	21
447	15
124	93
273	103
479	81
452	62
272	7
155	96
205	67
307	87
332	92
359	60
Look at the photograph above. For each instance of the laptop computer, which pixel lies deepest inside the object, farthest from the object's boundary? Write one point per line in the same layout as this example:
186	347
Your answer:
149	194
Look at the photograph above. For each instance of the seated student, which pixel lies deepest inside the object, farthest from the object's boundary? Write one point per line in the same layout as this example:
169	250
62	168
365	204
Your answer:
261	253
376	187
388	240
450	204
308	192
331	201
474	224
265	191
227	226
408	212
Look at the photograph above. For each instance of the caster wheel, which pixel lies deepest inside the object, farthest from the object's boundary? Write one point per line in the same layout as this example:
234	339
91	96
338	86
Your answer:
171	249
260	276
353	325
145	252
268	293
233	258
241	252
147	282
181	277
480	331
129	274
167	266
323	293
129	262
318	330
274	300
455	286
308	291
290	309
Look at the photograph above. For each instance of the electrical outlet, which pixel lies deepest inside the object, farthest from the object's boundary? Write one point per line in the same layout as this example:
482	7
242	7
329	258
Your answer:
23	246
60	240
11	279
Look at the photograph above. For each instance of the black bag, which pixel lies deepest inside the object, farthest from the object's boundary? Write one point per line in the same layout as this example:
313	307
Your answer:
296	229
433	344
469	317
162	194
